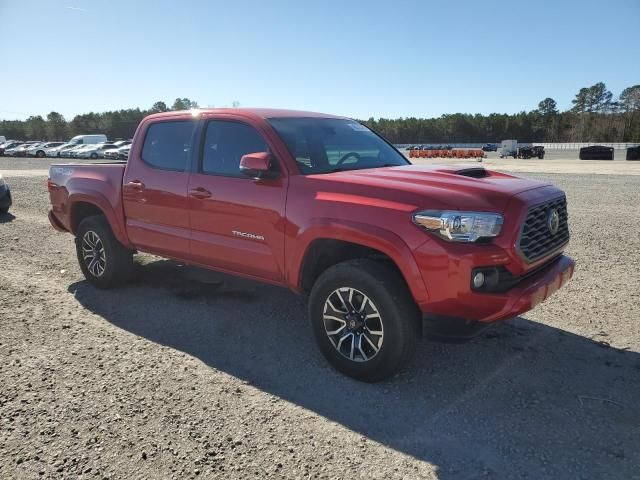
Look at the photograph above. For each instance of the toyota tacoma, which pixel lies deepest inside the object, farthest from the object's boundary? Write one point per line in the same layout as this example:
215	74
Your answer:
322	205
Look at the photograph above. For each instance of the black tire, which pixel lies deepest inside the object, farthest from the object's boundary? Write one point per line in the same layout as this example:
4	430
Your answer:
398	314
118	260
39	154
94	156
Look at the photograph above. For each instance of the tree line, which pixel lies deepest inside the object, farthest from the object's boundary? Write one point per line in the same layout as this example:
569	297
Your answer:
596	116
118	124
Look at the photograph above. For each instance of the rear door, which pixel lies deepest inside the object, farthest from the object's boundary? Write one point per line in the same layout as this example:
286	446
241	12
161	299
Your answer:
237	223
155	188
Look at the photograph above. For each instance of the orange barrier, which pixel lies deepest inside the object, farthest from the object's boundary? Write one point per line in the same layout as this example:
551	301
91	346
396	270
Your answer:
458	153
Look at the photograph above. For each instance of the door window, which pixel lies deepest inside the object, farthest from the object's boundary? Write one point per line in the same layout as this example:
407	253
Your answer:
167	145
224	145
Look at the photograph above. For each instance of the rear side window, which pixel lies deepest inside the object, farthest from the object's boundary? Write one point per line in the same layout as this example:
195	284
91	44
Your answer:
224	145
167	144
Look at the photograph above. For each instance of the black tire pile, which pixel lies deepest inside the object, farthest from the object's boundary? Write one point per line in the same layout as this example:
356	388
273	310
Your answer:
596	152
633	153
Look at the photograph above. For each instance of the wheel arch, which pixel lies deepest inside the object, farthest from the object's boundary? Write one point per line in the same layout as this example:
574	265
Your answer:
330	243
83	205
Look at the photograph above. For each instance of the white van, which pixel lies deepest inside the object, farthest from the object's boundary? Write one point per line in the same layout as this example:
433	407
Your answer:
88	139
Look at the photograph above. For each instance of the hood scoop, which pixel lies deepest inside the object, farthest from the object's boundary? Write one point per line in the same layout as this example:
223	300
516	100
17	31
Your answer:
472	172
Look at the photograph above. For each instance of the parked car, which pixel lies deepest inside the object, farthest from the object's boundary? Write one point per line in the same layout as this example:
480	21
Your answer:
123	153
95	151
39	150
112	154
490	147
55	151
21	151
80	151
344	218
5	195
9	145
69	152
17	150
120	153
596	152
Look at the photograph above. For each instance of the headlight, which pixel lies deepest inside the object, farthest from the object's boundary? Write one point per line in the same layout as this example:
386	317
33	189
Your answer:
455	226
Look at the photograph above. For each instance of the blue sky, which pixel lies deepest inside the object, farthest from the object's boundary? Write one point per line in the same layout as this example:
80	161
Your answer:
349	57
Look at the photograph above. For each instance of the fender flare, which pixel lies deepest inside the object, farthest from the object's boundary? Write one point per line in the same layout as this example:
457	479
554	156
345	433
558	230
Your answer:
367	235
98	200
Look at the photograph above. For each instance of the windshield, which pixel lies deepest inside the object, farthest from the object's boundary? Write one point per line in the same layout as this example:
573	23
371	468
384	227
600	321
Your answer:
324	145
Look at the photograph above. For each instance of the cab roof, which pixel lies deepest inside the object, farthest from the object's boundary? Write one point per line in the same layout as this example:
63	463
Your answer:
263	113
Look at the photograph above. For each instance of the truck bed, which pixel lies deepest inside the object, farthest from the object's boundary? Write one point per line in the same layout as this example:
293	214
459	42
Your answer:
100	182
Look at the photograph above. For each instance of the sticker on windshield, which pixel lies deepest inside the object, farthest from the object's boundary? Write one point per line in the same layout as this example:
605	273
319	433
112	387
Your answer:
358	127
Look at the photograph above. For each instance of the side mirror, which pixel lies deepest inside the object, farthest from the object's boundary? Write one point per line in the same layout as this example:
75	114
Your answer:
257	165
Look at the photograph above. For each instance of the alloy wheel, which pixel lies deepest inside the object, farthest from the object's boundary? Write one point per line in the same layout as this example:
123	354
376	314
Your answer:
353	324
93	253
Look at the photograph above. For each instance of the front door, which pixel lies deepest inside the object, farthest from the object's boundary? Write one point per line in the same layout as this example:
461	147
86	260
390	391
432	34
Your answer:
154	189
237	223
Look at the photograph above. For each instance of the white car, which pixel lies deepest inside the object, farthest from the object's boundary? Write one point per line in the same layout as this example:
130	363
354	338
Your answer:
78	152
70	151
55	151
95	151
39	150
121	153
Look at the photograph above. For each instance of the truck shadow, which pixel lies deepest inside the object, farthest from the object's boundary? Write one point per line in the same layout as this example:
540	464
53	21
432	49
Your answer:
523	400
6	217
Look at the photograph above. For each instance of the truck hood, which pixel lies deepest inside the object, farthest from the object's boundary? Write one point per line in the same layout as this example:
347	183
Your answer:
432	186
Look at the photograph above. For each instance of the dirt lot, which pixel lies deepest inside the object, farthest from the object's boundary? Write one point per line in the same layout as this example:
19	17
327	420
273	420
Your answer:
186	374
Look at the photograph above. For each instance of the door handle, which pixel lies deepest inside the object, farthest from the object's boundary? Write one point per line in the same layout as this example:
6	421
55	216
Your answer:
199	192
135	185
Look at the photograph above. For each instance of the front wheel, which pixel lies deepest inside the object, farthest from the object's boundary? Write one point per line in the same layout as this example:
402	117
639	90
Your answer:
104	261
94	156
364	319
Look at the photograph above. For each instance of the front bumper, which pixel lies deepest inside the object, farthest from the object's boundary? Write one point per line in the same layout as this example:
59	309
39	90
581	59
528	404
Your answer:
451	295
535	289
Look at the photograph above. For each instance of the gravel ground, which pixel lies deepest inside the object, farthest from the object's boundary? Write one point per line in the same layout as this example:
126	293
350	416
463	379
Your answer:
192	374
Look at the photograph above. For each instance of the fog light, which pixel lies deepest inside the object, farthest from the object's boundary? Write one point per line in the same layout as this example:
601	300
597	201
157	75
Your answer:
478	280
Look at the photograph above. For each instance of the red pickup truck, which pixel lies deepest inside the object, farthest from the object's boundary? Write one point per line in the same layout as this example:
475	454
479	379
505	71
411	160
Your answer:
326	207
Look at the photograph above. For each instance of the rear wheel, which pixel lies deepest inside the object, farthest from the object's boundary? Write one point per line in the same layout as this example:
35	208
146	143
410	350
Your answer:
104	261
94	156
364	319
39	154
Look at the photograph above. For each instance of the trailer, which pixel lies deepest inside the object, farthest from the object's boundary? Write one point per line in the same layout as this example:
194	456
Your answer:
509	148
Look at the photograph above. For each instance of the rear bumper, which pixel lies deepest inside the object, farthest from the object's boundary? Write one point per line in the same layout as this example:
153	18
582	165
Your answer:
55	223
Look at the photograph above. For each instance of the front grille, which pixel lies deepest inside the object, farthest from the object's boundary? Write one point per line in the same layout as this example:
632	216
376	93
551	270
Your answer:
536	240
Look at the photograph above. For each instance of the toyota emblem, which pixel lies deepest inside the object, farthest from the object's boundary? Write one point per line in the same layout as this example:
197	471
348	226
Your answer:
553	221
